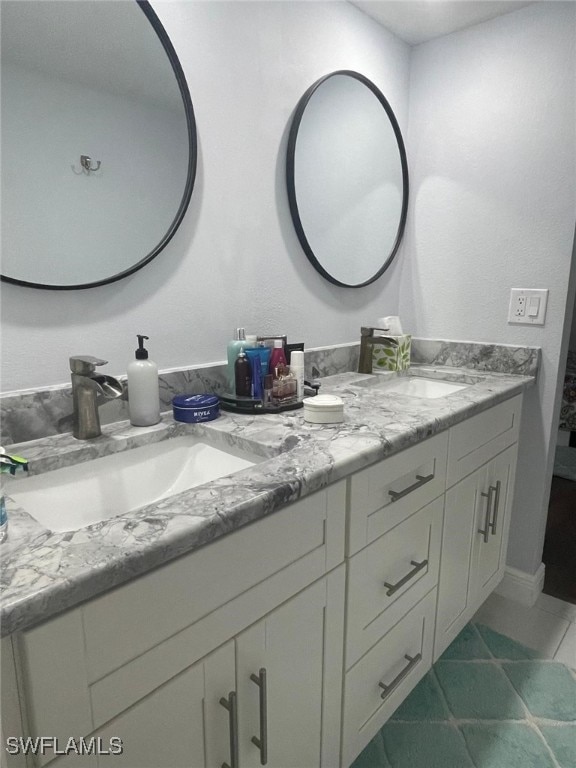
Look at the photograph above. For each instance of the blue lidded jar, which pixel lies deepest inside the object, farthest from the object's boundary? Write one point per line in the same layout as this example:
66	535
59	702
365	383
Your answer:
193	409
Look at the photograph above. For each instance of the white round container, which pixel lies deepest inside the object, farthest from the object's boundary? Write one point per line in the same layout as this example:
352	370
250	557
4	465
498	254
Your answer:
323	409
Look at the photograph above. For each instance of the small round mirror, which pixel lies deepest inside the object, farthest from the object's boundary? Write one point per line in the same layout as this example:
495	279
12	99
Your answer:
347	178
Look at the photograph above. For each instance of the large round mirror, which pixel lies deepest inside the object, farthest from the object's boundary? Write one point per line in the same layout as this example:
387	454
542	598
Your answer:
347	178
98	141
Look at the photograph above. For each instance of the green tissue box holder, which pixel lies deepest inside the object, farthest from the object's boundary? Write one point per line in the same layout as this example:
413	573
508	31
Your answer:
380	352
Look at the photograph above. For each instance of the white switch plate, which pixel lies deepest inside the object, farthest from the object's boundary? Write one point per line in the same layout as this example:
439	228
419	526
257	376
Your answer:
528	306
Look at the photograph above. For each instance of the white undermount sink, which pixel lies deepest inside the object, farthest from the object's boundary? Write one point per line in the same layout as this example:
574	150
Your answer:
417	386
72	497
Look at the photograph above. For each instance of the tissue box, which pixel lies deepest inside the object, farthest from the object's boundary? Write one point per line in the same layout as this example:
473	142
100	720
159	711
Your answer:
391	353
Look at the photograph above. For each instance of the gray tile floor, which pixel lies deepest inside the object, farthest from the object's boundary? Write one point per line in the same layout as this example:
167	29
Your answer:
549	625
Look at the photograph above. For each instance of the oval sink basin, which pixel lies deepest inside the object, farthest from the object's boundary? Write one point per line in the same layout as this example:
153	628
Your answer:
417	386
73	497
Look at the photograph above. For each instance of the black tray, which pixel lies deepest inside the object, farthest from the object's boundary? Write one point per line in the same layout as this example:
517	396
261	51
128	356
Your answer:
237	404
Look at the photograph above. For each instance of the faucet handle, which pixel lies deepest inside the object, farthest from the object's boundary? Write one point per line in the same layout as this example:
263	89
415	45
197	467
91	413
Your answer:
85	364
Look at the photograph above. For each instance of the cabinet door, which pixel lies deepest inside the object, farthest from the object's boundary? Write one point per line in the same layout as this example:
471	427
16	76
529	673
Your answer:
180	725
493	516
282	665
461	510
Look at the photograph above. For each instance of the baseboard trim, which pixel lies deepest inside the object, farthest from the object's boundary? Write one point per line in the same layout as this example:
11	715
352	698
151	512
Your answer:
520	586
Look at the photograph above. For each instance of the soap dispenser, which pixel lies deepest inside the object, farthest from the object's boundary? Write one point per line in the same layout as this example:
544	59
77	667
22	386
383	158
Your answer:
143	388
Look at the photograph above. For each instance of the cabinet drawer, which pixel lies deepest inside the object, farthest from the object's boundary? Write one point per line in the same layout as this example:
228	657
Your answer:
383	495
477	440
390	576
378	683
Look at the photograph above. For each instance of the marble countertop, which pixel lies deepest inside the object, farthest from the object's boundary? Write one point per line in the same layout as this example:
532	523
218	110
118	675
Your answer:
43	572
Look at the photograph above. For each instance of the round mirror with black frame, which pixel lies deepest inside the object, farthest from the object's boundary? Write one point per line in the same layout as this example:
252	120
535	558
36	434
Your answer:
98	141
347	178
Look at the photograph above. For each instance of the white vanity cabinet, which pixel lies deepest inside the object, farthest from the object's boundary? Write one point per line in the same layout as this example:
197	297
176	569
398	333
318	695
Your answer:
258	697
395	530
212	659
481	471
292	641
418	566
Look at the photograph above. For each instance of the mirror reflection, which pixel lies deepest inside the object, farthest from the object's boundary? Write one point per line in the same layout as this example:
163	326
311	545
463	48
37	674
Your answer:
347	178
98	141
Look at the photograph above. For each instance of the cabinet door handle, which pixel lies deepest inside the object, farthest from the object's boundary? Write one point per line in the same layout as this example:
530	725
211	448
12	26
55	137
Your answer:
392	588
496	506
232	706
262	741
420	481
412	661
488	514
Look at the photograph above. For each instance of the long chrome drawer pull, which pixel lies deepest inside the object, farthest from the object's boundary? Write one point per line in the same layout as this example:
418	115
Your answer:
412	661
487	515
392	588
496	505
262	742
232	706
420	481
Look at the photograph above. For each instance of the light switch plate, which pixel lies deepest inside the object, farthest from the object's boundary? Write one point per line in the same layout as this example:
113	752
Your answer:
528	306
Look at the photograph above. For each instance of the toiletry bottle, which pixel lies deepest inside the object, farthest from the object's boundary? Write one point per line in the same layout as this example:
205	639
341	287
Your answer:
294	347
278	358
243	376
255	361
234	347
265	353
143	388
297	369
283	385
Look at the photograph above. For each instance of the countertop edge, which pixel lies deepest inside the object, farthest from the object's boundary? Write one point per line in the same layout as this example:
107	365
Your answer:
53	594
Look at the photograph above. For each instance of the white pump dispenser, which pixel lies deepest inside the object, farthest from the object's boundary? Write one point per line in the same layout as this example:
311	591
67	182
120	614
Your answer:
143	389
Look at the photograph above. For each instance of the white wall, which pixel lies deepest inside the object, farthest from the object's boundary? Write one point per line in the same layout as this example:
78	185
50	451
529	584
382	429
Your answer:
492	160
236	259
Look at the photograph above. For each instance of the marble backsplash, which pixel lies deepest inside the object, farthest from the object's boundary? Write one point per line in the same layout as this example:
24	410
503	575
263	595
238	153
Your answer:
33	414
496	358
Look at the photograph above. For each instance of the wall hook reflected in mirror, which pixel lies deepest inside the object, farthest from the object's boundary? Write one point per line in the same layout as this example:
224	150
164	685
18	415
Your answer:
86	163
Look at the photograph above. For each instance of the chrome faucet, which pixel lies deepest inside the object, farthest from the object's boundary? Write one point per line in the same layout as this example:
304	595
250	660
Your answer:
89	390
